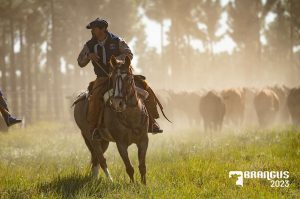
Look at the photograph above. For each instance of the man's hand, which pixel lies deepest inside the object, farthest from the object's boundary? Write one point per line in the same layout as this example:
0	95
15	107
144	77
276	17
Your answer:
94	57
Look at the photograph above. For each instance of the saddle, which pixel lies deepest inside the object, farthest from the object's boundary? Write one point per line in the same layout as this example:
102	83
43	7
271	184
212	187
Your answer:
140	87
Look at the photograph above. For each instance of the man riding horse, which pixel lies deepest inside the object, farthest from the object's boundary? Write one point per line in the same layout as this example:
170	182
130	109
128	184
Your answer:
99	50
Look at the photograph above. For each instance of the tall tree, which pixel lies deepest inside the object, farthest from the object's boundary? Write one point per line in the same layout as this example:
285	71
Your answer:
209	14
245	25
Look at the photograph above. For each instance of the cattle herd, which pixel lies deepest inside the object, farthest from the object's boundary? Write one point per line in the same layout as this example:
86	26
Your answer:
235	107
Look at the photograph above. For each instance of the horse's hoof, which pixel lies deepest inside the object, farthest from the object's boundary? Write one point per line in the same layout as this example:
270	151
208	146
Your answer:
143	182
111	179
95	172
94	176
106	171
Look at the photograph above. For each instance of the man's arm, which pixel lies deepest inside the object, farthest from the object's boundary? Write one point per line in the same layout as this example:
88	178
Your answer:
125	50
83	57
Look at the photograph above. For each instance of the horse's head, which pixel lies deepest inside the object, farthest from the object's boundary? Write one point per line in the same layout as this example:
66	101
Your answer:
123	84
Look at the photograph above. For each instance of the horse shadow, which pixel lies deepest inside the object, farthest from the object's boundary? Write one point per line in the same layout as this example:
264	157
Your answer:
71	185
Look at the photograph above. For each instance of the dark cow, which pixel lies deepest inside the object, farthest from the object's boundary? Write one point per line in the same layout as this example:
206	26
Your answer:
235	105
293	104
212	109
282	93
185	103
250	117
266	104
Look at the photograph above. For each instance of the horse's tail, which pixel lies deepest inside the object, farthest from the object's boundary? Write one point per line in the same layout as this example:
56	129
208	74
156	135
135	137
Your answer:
160	106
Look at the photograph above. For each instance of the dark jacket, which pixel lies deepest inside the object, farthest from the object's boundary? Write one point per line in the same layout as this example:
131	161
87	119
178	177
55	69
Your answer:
113	46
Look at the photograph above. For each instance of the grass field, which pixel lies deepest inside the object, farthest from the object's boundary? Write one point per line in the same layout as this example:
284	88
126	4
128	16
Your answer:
49	160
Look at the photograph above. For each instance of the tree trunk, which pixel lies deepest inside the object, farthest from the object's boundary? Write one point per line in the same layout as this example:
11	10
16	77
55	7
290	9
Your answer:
12	74
29	104
55	66
2	59
162	39
291	31
48	78
36	83
22	64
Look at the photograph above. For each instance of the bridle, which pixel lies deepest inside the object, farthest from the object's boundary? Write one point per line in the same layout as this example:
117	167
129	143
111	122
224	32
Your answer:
119	89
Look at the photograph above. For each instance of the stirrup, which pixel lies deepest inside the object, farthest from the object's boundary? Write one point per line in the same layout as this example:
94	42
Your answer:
155	128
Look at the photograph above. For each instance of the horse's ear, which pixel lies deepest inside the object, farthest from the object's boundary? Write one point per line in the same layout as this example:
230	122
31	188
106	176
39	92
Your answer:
127	61
113	61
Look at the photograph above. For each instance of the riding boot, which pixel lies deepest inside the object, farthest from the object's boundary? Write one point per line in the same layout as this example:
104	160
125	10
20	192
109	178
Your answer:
9	120
154	126
151	106
150	103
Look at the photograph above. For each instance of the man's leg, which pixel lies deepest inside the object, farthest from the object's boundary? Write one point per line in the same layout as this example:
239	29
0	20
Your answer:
10	120
96	104
151	106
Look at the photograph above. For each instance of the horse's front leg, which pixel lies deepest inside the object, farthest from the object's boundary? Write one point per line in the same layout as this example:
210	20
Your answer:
98	153
142	151
94	160
97	148
122	148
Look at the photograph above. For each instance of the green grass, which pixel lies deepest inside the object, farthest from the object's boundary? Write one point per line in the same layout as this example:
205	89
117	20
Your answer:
49	160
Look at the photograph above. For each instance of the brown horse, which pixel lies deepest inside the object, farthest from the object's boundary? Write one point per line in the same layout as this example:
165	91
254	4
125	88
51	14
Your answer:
125	120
